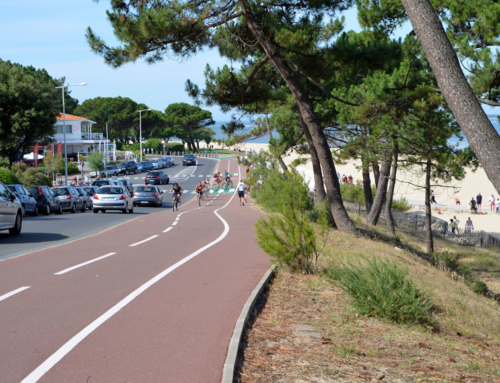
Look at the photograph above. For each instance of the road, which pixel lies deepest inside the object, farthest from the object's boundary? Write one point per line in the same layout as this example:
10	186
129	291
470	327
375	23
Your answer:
43	231
153	300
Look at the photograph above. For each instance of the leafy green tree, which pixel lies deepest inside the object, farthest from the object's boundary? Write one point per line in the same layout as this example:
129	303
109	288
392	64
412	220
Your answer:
96	162
187	120
28	106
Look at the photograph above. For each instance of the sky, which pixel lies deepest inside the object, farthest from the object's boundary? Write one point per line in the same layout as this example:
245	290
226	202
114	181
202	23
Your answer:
50	34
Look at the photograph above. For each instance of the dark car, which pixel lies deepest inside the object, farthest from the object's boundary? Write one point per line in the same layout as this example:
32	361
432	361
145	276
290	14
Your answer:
70	198
157	177
125	182
28	203
11	213
188	159
127	167
144	166
147	195
46	199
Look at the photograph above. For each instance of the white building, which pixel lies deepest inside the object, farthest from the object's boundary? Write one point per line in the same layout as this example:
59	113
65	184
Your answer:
79	136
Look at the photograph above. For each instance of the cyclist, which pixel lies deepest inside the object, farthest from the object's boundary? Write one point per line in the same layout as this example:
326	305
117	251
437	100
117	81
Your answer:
218	179
199	192
177	190
227	176
206	185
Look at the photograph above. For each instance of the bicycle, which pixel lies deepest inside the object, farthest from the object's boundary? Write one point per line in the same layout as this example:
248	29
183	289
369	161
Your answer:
216	185
207	191
175	203
229	182
199	197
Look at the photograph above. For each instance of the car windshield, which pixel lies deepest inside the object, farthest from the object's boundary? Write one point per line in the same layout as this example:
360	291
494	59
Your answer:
142	163
153	174
100	183
145	189
110	167
122	165
89	191
189	156
154	160
11	188
61	191
110	190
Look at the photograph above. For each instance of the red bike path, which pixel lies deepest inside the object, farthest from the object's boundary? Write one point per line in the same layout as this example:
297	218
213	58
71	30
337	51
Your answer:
136	315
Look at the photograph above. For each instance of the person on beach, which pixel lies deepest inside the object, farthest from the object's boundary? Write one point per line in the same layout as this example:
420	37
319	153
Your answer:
473	207
479	200
457	222
241	192
498	205
433	198
492	203
457	201
469	226
452	225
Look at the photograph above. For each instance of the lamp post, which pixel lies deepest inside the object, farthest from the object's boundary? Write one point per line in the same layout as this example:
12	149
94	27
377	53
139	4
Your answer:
62	87
140	129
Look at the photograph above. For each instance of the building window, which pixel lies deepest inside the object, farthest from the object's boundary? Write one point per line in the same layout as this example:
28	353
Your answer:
59	129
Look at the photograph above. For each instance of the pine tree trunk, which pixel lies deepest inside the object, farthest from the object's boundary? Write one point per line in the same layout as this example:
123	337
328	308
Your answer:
318	176
365	171
428	213
390	191
477	128
379	200
306	109
376	172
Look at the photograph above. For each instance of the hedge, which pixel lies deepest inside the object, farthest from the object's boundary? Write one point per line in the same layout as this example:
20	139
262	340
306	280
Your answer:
7	177
174	147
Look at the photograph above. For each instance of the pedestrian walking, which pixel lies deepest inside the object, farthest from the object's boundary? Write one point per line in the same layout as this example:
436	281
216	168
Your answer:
473	206
457	222
492	203
498	205
452	225
469	226
241	192
432	197
479	201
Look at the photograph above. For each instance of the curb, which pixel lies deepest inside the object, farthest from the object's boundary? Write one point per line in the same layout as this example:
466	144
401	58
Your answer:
234	343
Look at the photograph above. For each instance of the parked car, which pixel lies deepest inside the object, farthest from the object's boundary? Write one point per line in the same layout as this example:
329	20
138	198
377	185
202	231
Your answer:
127	167
91	190
70	198
165	162
125	182
188	159
170	160
110	171
147	195
28	203
11	212
113	198
100	183
89	199
46	200
157	177
144	166
157	164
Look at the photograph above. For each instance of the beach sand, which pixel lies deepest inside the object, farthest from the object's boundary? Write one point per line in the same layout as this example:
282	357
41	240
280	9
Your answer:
408	187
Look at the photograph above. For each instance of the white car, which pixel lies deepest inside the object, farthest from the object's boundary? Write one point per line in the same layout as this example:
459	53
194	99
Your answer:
11	212
109	171
157	164
113	198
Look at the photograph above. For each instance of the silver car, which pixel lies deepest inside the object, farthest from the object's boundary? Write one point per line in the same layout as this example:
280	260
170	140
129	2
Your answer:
157	164
147	195
70	198
11	212
113	198
89	198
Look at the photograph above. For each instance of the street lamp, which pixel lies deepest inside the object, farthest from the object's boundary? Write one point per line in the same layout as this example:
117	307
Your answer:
62	87
140	129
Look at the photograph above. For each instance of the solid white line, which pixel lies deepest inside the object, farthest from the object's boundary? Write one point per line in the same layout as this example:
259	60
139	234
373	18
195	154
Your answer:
174	223
145	240
5	296
167	230
42	369
84	263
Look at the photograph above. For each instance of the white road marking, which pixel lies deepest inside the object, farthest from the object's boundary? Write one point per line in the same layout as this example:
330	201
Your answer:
201	175
83	264
5	296
167	230
174	223
177	219
145	240
221	191
43	368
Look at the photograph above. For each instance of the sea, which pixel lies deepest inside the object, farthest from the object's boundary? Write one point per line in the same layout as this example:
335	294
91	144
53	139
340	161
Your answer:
459	144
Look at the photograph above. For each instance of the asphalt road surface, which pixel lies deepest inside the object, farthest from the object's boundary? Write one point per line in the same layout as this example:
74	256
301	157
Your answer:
154	300
44	231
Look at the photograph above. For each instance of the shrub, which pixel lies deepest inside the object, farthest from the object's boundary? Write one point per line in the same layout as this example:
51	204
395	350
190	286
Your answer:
34	177
354	193
401	204
174	147
96	161
381	289
480	288
4	162
153	143
7	177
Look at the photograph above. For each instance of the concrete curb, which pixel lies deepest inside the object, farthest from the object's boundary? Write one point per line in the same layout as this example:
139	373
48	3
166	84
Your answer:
234	343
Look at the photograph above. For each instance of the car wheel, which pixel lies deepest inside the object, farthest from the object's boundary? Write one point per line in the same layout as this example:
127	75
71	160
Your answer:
46	210
126	172
16	230
116	174
35	212
158	203
59	210
96	211
103	210
168	180
84	207
23	209
135	171
73	208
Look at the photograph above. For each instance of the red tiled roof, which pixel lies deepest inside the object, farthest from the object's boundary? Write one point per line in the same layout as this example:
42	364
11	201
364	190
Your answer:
71	117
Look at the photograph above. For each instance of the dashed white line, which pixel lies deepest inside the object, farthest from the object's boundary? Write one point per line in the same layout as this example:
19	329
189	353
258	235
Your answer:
83	264
174	223
145	240
167	230
43	368
5	296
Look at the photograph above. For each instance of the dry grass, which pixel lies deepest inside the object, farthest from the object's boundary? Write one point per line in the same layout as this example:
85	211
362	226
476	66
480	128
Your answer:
340	346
